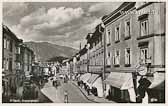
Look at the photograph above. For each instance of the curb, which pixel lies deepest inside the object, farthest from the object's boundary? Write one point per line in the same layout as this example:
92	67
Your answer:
85	94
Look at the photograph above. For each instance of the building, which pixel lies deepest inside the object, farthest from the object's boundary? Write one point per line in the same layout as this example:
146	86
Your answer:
82	59
27	58
135	47
127	54
91	62
10	62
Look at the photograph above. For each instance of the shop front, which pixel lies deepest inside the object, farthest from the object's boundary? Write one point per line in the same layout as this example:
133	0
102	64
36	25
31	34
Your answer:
83	79
153	88
120	87
157	88
95	83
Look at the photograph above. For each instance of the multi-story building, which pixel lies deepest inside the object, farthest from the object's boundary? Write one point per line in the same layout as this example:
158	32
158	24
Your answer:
10	62
91	62
128	55
135	47
27	60
82	61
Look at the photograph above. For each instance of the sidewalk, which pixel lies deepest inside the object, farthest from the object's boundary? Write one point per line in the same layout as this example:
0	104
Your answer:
56	95
51	92
91	97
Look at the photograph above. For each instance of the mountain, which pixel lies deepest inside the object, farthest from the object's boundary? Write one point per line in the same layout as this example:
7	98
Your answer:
45	51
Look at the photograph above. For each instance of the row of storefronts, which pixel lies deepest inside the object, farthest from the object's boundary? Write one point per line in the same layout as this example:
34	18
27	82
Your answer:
124	57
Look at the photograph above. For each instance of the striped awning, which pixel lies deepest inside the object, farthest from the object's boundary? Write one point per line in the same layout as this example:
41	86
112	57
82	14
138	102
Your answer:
92	78
120	80
85	77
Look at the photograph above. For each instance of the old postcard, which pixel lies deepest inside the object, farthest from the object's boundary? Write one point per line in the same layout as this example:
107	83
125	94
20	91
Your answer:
83	52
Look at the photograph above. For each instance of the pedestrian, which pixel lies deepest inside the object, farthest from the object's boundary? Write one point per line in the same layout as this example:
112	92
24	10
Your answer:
66	97
88	89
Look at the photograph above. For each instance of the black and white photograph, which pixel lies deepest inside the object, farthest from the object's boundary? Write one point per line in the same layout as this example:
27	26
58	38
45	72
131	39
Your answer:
83	52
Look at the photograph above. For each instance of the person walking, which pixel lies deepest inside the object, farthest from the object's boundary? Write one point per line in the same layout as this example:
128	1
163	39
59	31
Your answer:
88	89
66	97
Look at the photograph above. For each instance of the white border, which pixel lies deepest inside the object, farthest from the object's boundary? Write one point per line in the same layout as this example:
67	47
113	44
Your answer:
77	104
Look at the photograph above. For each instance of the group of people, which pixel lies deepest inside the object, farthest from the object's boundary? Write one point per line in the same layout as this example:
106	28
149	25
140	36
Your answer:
85	86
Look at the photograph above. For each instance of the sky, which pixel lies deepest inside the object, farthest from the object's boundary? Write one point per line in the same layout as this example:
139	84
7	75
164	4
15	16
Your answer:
61	23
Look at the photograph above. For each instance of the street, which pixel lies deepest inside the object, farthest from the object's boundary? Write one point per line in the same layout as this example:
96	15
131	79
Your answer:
57	95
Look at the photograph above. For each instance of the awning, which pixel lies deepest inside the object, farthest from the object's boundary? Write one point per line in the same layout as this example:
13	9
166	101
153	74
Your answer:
158	81
120	80
99	85
92	78
85	77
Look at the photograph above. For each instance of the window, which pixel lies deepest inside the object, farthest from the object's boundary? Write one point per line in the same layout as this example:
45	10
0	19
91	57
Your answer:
17	50
144	55
4	63
109	58
18	66
143	27
127	28
127	56
10	64
4	43
108	37
7	64
7	44
11	46
117	33
116	58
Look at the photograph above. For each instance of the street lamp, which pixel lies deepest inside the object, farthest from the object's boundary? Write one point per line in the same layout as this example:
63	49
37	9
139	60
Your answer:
104	59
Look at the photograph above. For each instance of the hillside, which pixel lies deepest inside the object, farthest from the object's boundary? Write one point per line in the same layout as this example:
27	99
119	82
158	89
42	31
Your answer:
45	51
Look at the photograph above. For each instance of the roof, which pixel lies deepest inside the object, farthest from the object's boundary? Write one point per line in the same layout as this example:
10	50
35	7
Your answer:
95	35
10	33
124	7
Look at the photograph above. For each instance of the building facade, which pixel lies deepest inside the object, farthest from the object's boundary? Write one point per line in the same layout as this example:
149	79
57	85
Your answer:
27	58
17	60
127	53
10	62
135	42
